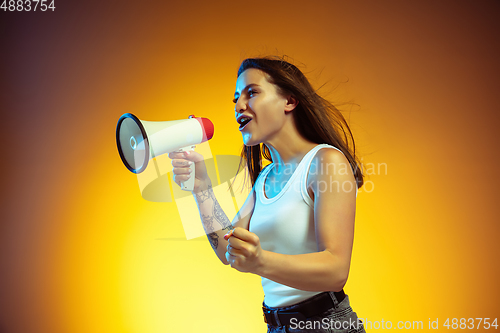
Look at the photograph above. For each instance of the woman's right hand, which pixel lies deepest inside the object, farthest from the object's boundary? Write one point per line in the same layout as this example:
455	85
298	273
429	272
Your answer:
181	162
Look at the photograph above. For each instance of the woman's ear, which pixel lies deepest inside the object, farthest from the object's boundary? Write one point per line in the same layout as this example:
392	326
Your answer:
291	103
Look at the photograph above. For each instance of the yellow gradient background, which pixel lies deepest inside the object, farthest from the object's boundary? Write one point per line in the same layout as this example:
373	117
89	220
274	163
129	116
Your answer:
82	252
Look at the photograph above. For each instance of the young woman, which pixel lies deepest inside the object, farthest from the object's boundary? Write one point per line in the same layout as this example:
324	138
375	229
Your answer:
296	227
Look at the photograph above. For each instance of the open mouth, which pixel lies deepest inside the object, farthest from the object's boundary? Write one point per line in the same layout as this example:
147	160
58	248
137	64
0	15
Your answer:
243	121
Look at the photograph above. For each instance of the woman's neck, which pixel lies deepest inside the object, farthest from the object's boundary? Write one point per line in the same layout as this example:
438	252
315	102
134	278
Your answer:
288	152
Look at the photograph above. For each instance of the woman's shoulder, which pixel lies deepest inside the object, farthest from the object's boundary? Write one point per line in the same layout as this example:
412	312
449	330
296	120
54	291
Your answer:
330	154
328	163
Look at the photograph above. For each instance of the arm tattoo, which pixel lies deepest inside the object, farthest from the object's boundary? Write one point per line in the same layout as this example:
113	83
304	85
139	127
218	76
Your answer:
213	238
220	216
229	228
208	223
217	214
203	196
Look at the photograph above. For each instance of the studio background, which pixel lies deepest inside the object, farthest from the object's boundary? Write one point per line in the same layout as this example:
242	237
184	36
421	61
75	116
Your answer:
81	251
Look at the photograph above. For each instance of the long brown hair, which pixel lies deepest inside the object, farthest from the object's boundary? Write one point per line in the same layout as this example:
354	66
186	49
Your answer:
316	119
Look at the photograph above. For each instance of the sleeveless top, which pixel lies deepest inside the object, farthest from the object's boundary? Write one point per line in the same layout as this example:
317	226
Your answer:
285	224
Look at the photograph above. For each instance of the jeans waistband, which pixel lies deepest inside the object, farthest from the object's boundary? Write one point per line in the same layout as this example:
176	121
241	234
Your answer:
311	307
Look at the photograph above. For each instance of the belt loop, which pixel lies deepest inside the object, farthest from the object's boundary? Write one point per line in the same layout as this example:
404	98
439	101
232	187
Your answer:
276	317
334	299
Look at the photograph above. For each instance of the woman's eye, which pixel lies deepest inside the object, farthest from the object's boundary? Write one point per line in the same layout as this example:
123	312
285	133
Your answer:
251	93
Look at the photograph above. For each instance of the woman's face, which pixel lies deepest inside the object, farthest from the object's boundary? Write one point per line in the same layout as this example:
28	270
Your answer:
260	110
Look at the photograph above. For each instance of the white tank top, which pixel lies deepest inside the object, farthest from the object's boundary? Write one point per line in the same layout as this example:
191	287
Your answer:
285	224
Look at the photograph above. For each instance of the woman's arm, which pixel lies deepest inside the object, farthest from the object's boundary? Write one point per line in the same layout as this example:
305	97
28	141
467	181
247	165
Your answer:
213	219
334	214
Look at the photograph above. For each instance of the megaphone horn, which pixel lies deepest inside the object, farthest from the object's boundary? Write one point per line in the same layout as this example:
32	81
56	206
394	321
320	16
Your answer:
139	141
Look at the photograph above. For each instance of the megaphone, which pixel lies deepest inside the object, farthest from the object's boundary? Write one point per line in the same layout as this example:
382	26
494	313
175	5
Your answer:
139	141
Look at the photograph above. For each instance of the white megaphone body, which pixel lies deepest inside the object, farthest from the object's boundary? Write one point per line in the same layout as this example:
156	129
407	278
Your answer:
139	141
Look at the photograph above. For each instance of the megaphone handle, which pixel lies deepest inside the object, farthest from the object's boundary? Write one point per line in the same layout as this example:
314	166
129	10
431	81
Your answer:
188	185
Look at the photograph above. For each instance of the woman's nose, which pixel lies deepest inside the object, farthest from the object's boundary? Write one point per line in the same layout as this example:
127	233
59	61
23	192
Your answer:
240	106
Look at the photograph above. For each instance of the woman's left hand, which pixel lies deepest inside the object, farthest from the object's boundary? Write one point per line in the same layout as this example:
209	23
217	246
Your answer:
243	251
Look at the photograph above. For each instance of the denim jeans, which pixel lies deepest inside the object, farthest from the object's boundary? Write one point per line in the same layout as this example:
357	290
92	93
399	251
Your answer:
339	319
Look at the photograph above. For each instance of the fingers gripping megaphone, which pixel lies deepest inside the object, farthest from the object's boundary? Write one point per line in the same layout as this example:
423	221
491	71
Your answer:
139	141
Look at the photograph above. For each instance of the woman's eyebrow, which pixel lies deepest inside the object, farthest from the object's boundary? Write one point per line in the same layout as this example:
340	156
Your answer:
236	95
